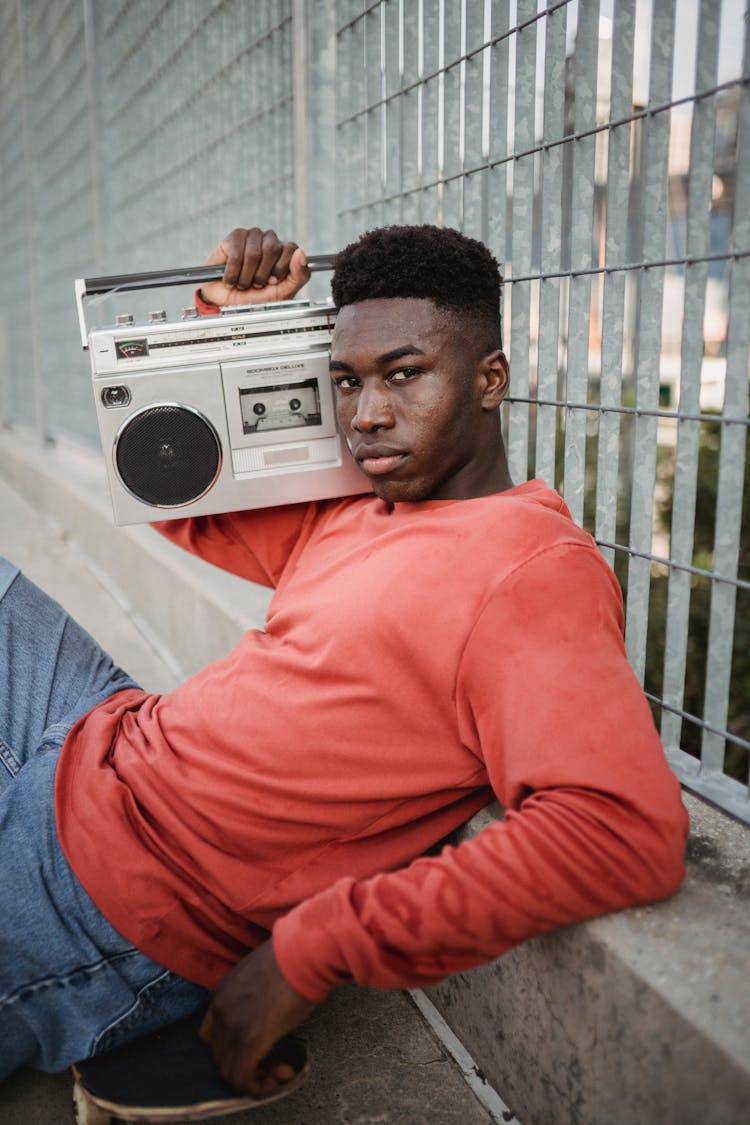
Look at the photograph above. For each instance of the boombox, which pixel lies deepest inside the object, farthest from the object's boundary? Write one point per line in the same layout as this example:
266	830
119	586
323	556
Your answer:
206	414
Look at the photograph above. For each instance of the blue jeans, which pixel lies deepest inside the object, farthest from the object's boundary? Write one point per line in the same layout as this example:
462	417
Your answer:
70	985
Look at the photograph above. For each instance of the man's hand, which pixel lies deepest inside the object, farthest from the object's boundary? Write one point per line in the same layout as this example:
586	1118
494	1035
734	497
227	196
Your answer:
252	1009
259	267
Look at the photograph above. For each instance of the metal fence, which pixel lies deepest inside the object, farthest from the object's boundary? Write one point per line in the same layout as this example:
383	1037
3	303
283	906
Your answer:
601	149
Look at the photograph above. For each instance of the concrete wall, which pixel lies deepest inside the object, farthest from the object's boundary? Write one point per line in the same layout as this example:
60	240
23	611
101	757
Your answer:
638	1017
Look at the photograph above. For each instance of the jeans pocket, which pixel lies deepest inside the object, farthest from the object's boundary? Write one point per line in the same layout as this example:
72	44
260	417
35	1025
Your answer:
162	1000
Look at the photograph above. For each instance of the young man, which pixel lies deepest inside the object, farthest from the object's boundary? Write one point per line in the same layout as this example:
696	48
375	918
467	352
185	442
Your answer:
448	637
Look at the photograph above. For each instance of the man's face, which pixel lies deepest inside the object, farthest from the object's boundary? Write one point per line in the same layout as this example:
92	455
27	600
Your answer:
413	399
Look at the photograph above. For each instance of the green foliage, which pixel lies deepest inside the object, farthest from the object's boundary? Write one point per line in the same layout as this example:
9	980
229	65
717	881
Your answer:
736	763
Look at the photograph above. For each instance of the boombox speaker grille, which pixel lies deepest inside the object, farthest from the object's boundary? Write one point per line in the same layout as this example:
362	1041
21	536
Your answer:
168	455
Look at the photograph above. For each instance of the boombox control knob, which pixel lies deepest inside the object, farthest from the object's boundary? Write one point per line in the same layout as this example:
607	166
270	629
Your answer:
157	315
123	319
190	313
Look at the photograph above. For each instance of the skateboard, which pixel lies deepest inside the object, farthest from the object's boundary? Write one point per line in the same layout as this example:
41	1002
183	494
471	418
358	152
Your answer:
169	1076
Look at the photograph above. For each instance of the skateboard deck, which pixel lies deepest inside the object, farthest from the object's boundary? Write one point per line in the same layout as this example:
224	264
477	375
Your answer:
169	1076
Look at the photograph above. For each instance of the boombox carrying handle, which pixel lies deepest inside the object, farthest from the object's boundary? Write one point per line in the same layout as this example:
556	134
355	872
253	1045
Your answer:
187	275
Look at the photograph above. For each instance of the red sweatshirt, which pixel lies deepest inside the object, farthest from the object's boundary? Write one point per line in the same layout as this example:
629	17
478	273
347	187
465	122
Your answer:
416	658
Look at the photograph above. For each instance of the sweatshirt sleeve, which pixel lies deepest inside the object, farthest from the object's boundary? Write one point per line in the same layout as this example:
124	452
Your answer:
256	545
593	821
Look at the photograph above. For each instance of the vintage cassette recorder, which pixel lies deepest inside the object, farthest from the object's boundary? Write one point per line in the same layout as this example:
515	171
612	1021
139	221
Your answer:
206	414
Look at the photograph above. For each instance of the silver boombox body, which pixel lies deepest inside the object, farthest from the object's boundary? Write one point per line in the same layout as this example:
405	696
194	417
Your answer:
210	414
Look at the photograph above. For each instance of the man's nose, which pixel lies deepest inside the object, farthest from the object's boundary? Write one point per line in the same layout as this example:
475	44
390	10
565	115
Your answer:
373	410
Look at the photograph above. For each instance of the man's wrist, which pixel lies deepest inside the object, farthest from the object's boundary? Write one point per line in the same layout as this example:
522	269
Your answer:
292	965
205	308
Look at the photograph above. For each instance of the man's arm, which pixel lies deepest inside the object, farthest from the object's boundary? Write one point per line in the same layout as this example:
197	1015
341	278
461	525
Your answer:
593	816
259	268
593	822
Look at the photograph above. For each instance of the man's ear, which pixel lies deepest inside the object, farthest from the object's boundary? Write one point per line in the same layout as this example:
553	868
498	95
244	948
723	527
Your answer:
493	370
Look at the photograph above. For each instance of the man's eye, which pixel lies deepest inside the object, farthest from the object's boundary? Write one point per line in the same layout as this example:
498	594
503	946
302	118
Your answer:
404	374
345	382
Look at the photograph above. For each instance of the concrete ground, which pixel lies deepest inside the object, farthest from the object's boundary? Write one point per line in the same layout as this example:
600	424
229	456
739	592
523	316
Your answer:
374	1059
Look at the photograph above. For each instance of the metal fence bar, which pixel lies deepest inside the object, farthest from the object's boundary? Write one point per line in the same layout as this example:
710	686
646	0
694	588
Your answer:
474	211
430	191
410	113
613	299
661	560
548	362
391	84
637	267
579	300
640	116
691	360
494	39
497	187
648	340
452	114
732	459
351	140
635	411
522	204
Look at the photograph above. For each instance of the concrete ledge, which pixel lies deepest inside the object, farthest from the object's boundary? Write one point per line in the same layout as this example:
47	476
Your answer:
638	1017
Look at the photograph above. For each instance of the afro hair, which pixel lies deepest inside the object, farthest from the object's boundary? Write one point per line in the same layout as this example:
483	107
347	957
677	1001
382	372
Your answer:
457	273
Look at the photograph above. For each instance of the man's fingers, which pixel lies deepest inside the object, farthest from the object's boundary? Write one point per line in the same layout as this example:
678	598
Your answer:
299	272
298	275
257	258
262	1078
246	1071
269	261
282	1072
281	267
240	1064
249	255
231	254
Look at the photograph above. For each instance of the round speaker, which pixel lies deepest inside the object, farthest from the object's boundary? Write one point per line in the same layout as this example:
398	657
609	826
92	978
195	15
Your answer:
167	455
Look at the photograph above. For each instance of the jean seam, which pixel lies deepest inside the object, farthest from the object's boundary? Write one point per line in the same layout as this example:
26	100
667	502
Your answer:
57	732
45	983
8	758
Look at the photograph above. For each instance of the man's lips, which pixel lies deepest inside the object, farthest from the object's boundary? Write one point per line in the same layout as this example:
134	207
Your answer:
377	460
